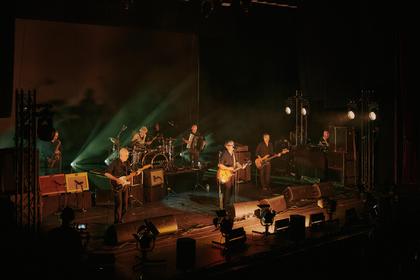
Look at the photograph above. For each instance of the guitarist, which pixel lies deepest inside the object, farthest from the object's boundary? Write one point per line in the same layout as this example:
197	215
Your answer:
227	161
264	150
119	167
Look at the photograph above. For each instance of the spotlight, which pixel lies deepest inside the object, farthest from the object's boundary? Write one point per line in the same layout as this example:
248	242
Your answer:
303	111
351	109
372	115
351	115
266	216
234	238
145	239
222	222
373	110
316	220
282	225
288	110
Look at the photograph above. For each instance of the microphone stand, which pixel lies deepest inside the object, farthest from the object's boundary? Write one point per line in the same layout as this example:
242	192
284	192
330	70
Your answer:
220	187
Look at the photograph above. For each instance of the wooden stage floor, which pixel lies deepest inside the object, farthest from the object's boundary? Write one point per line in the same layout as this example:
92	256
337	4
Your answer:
194	211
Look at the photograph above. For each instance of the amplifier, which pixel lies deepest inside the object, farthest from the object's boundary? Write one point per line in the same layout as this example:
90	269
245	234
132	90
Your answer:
154	177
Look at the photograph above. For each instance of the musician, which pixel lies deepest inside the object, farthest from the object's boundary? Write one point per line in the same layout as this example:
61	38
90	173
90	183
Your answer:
323	142
119	167
140	138
54	159
194	142
227	161
325	145
265	149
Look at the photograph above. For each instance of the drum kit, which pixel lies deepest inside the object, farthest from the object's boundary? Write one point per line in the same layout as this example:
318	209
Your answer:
161	155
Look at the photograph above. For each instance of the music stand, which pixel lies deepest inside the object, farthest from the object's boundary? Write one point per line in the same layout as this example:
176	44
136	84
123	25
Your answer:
80	184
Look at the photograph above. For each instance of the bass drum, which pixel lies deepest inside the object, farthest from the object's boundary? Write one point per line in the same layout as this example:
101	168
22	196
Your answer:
156	159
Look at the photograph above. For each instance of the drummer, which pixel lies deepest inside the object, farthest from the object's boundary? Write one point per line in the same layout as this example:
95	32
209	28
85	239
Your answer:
140	138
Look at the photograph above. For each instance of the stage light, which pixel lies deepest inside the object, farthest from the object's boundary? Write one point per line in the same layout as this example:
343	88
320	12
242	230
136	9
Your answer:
145	241
303	111
351	115
266	216
288	110
351	109
372	115
316	220
234	238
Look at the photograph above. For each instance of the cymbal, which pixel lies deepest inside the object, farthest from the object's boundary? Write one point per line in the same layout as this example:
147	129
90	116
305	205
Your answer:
113	140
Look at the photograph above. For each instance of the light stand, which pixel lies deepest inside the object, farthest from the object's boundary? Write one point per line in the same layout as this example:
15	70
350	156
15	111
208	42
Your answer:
266	216
145	242
299	106
233	238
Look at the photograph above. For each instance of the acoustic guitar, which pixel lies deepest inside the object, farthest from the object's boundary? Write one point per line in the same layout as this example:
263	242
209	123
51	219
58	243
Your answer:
260	162
224	175
126	179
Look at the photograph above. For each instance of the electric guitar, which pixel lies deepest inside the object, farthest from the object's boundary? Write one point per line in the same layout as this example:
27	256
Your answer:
126	179
224	175
260	162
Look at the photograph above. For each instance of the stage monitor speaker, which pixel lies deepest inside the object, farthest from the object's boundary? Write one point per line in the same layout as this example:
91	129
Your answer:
277	203
244	175
52	184
120	233
243	210
77	182
185	253
294	193
154	177
165	224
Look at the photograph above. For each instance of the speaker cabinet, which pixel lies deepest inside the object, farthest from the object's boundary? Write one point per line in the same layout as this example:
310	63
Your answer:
294	193
277	203
77	182
52	184
244	175
245	209
154	177
119	233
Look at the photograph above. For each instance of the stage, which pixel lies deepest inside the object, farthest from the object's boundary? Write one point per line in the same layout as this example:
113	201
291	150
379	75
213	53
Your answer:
188	212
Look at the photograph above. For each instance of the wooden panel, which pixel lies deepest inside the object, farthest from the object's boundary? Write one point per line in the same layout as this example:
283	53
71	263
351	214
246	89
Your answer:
52	184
